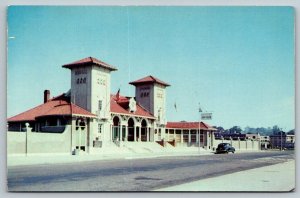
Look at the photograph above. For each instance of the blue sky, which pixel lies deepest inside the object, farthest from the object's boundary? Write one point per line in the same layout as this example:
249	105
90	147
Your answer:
238	62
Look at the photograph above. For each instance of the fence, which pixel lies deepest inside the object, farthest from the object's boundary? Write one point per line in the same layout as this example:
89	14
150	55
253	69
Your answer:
239	144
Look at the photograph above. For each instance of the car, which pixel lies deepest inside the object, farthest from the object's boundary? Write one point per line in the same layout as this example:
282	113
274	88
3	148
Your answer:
225	148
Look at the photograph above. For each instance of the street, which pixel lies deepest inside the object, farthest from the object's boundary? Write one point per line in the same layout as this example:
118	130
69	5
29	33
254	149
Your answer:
136	174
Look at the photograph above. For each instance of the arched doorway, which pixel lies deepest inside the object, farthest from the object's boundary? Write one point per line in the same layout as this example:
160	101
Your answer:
116	128
144	131
130	130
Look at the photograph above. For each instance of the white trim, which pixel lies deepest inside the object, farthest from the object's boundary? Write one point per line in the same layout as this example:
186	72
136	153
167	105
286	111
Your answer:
133	115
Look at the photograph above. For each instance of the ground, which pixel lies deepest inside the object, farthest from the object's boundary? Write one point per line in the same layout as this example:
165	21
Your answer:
136	174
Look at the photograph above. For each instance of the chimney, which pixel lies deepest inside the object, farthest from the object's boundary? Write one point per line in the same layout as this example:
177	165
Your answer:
46	96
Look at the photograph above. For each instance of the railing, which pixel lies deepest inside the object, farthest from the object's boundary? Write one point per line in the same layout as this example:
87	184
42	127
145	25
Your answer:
161	143
173	143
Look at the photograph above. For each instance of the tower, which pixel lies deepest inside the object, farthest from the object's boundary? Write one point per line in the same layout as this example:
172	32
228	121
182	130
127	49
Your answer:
90	89
150	93
90	85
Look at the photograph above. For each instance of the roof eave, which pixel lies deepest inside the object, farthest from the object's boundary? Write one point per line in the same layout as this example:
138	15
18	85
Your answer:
70	66
153	118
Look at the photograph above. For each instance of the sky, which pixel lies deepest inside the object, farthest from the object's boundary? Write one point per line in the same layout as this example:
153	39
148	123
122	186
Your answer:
237	62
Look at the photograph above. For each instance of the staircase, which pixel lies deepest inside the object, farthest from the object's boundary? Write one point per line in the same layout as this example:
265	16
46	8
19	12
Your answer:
143	147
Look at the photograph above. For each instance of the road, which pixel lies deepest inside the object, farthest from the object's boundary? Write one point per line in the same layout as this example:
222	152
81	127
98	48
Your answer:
135	174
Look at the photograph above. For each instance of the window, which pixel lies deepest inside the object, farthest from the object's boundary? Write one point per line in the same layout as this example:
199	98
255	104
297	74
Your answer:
100	105
99	128
81	80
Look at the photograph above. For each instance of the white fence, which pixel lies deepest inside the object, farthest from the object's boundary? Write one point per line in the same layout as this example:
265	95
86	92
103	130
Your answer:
239	144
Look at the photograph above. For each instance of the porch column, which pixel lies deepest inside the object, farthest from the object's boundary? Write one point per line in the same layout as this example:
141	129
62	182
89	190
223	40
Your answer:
168	136
126	133
140	132
121	133
181	138
111	132
189	136
197	136
148	134
134	133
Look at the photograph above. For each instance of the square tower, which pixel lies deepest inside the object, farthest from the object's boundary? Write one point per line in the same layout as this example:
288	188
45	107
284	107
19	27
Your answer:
150	93
90	85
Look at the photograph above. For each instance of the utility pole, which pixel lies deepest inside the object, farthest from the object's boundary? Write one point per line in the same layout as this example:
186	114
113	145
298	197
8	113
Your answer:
200	111
280	139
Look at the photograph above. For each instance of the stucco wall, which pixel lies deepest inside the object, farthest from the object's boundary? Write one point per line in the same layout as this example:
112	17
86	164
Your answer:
239	144
16	142
39	142
145	101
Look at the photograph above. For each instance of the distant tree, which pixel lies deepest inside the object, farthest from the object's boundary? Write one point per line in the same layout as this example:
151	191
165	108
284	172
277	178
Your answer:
291	132
276	130
235	130
221	129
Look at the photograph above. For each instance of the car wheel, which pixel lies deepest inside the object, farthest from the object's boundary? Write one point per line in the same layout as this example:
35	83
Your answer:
232	152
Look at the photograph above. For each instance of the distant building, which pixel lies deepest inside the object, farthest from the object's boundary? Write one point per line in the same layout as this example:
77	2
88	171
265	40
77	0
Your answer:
252	136
282	141
265	142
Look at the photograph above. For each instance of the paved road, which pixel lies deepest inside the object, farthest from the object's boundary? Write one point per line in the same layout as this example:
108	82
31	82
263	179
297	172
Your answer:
135	174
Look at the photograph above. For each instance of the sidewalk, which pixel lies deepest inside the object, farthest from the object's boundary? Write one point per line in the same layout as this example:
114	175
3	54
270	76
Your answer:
18	160
274	178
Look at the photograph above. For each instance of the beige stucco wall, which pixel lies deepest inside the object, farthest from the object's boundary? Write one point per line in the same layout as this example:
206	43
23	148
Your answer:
16	142
239	144
39	142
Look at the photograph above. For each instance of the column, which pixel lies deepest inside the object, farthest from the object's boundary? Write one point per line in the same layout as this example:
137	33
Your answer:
168	137
197	136
207	140
121	133
181	138
126	133
134	133
189	136
111	132
140	134
148	134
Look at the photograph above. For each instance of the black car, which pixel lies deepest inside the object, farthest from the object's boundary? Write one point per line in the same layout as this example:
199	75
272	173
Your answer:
225	148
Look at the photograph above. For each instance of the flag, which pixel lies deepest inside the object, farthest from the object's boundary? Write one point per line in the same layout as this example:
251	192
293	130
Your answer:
175	106
118	95
200	110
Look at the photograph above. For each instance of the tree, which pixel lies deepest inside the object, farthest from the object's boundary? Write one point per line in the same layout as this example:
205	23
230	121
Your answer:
291	132
275	130
235	130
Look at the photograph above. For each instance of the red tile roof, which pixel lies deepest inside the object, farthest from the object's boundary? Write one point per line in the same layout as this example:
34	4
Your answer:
149	79
51	108
121	107
188	125
90	61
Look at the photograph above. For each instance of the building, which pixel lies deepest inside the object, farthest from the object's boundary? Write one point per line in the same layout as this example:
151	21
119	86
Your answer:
96	118
282	141
265	142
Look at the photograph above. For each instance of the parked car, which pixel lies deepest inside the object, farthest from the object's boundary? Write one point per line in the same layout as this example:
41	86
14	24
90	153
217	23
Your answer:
225	148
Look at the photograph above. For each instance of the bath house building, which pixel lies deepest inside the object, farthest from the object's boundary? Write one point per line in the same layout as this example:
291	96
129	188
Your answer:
96	118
